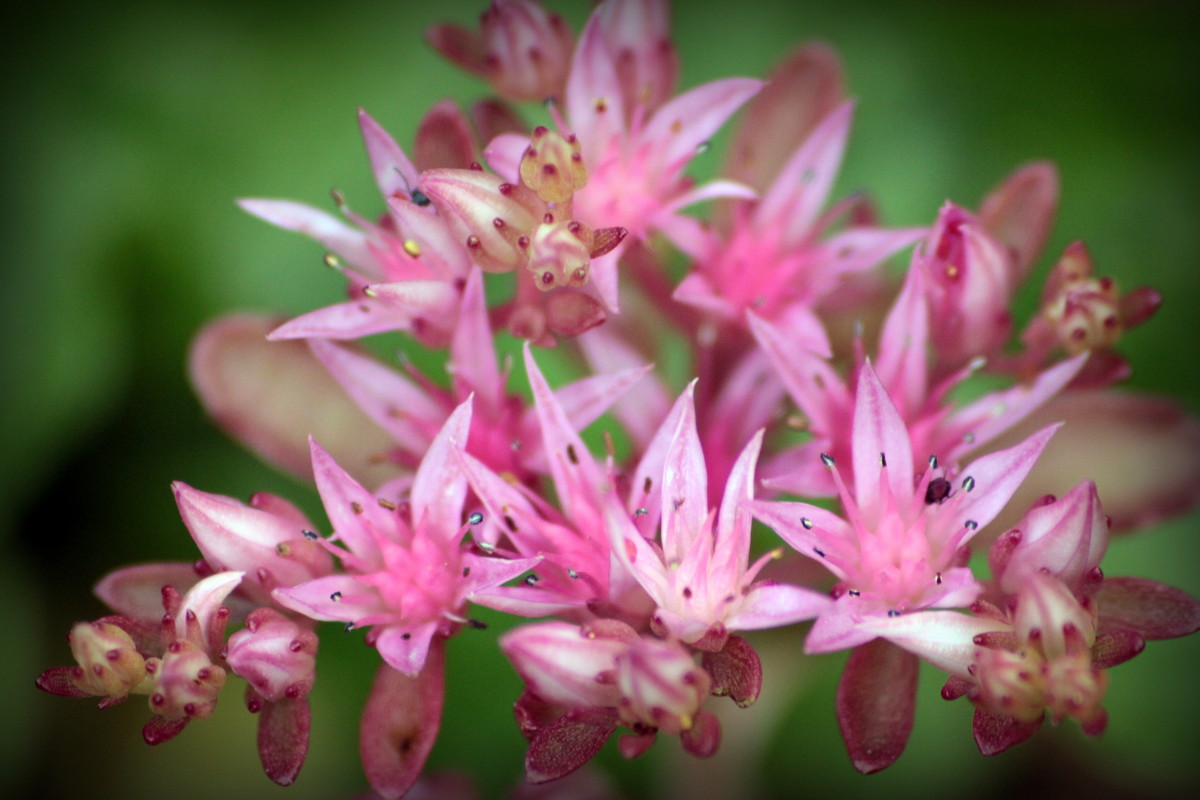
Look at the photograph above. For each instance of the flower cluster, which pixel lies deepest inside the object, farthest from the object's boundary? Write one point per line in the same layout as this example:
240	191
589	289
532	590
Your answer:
638	572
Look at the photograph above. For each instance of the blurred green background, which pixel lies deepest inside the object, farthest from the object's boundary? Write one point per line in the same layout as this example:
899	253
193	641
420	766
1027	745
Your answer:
129	129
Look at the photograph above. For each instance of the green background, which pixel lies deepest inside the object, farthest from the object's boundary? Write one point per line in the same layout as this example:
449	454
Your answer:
130	127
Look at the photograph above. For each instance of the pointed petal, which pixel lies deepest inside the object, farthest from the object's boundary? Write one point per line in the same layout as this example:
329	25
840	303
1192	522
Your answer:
443	139
773	605
407	647
333	598
586	399
802	187
400	724
355	514
473	348
943	638
334	235
686	121
593	95
837	628
646	403
882	450
396	404
271	395
439	488
351	320
801	91
876	699
902	361
996	477
685	486
731	550
394	173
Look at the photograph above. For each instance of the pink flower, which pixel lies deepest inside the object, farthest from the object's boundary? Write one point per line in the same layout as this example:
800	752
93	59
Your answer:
404	272
934	428
407	575
701	579
901	544
780	258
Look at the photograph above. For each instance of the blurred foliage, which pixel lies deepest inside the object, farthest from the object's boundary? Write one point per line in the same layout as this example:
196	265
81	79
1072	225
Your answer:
132	126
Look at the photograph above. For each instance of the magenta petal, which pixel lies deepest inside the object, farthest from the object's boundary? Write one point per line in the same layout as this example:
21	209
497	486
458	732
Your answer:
876	699
1149	608
994	734
568	743
879	432
283	728
400	724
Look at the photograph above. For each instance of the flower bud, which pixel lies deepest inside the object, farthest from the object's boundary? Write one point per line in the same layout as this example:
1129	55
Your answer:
275	655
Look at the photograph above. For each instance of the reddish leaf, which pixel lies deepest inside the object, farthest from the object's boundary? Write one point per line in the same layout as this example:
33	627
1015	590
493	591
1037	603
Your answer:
160	729
568	743
400	723
994	734
283	739
60	681
736	671
1149	608
1116	647
875	701
704	737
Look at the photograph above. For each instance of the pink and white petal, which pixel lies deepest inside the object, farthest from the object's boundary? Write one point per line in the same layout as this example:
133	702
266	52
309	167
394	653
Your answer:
488	571
499	497
137	591
585	400
400	724
696	290
405	648
473	349
838	628
560	662
394	173
355	514
685	485
805	527
204	600
859	249
683	123
810	380
773	605
942	638
802	90
528	602
396	404
803	185
439	487
571	465
996	477
434	299
333	598
334	235
351	320
992	415
902	363
594	101
731	550
271	395
876	701
881	447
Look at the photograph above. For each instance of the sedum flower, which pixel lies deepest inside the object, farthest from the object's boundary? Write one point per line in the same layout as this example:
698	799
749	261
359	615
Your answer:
700	576
407	575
